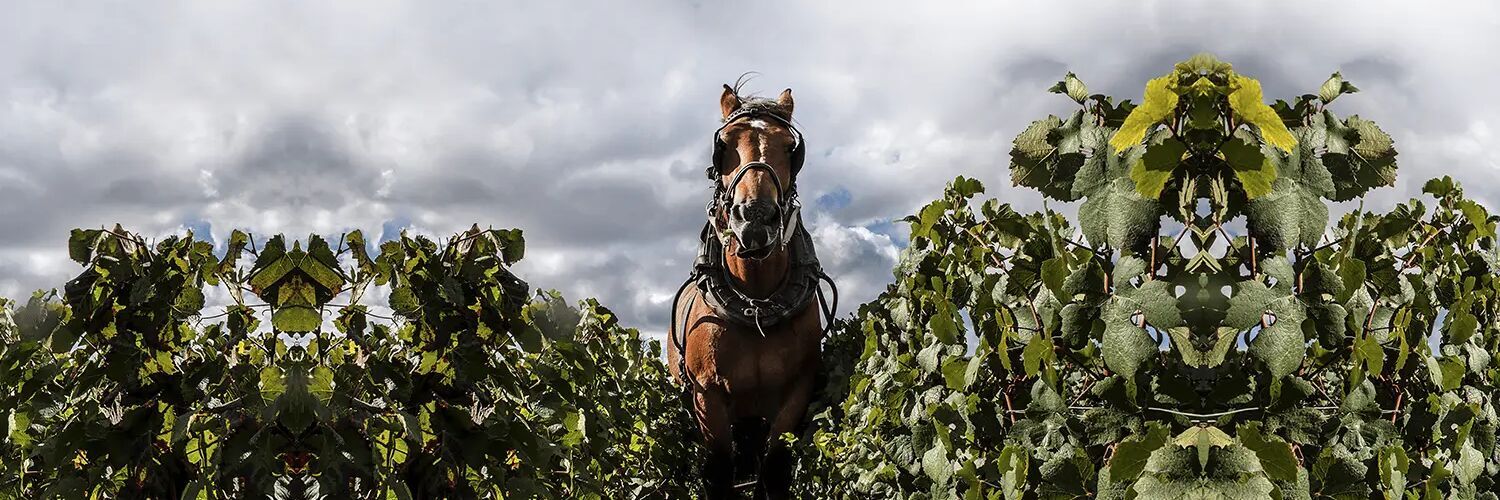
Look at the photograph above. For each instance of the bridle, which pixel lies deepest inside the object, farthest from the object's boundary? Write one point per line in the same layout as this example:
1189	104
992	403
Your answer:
788	209
789	212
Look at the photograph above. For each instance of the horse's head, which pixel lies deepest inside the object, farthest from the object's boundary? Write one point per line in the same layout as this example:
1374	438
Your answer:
757	153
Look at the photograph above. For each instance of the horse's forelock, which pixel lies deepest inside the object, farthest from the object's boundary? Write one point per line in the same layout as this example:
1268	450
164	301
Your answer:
756	104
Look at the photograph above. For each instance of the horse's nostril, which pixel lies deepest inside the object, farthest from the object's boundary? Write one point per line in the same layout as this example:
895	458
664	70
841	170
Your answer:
755	211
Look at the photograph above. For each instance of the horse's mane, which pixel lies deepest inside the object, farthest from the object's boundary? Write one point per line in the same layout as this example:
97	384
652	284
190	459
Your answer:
757	104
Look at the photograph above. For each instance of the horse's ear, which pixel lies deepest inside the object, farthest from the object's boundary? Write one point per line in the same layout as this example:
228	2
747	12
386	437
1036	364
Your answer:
785	101
729	102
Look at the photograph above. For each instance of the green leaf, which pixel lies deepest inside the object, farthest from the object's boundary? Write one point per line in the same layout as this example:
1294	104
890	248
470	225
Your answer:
1037	351
1250	166
1131	455
943	326
1050	155
1251	300
1439	187
296	319
1333	87
1126	345
1360	156
19	423
1369	351
1290	215
81	244
201	447
1479	217
1159	103
1447	373
936	465
1393	467
954	370
1072	87
928	218
1054	272
1352	274
272	383
1280	344
1155	169
321	384
1014	465
1469	466
1203	440
1119	216
512	245
1275	453
404	301
575	424
189	302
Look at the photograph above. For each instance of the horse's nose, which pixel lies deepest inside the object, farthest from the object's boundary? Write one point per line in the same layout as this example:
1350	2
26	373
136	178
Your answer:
756	224
755	211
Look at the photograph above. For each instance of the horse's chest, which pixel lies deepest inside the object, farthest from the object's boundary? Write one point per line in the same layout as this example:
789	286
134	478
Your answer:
776	363
745	362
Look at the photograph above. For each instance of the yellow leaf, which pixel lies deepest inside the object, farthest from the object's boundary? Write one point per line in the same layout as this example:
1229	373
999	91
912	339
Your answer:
1159	103
1247	103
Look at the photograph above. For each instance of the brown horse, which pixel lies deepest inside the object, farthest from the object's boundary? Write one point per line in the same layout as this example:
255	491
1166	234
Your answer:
750	352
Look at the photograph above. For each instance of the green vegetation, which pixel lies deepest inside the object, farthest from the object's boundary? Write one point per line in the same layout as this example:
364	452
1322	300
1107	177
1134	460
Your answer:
1203	328
1208	337
473	389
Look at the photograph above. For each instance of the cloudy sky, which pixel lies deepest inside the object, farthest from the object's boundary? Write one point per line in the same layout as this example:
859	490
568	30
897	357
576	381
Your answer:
587	124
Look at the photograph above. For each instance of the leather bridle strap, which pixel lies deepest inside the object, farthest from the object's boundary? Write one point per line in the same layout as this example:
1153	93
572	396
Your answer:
727	193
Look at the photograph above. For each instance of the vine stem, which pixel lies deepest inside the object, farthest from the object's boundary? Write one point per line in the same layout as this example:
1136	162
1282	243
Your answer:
1155	242
1098	254
1253	258
1399	393
1415	250
1010	409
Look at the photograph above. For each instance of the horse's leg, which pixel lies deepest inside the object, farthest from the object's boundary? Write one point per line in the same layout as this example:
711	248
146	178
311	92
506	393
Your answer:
749	446
712	411
776	466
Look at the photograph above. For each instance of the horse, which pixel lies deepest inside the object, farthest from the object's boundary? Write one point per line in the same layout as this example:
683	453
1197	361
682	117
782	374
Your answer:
747	346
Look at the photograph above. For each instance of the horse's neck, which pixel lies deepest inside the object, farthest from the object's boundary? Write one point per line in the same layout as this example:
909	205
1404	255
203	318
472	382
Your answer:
758	278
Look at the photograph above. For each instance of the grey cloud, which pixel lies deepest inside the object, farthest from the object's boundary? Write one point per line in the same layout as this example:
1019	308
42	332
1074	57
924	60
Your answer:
586	123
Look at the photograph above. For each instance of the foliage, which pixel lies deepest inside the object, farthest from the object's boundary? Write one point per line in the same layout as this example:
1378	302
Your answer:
1201	329
1209	336
473	389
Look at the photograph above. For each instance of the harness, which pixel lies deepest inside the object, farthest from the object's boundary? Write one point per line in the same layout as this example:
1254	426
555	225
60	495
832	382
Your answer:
710	276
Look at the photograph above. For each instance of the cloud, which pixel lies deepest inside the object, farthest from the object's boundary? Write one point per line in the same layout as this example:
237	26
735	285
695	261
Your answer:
587	124
860	260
